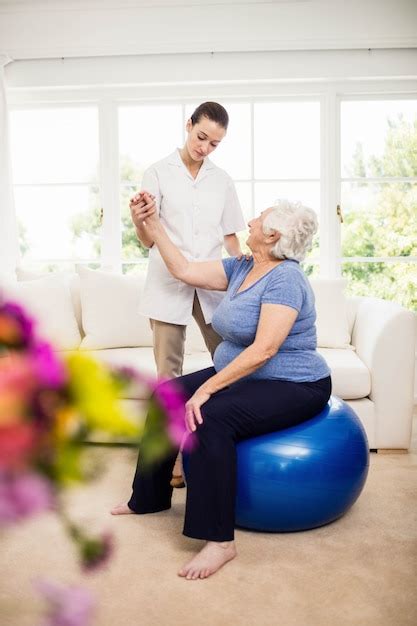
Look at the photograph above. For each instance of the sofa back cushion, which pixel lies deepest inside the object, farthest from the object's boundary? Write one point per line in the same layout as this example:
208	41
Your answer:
74	285
333	325
48	300
110	310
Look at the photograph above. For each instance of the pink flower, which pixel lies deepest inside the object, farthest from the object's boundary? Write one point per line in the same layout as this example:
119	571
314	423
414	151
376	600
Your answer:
67	606
23	495
17	444
171	400
47	368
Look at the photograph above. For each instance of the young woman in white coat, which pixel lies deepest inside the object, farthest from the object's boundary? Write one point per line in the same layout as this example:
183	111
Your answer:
198	205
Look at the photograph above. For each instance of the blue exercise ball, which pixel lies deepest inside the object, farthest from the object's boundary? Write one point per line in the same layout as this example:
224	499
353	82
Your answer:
305	476
302	477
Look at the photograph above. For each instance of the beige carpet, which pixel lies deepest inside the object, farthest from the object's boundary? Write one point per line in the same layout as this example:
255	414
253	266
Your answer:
361	570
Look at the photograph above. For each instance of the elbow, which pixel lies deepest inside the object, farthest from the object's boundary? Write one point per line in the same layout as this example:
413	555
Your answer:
182	273
264	354
179	273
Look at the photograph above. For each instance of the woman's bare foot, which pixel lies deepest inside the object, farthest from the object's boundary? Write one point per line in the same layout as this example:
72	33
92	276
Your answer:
121	509
212	557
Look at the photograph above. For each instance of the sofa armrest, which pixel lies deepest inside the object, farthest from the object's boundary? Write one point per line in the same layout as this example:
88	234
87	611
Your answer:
384	336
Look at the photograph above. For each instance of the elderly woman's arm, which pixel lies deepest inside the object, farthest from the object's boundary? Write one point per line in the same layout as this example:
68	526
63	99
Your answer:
204	274
275	323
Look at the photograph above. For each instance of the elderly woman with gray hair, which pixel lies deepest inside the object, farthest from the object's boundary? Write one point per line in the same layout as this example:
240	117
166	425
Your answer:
267	373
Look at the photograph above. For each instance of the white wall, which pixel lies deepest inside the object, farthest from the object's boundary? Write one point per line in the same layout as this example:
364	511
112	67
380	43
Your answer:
71	28
223	67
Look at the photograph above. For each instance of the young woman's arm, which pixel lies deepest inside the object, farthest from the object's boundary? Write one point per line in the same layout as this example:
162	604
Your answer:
204	274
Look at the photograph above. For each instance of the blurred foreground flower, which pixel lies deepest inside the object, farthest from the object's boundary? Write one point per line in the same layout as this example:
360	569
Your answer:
67	606
49	404
23	495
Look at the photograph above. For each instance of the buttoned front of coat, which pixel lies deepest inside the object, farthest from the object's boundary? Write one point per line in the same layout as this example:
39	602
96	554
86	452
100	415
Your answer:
197	214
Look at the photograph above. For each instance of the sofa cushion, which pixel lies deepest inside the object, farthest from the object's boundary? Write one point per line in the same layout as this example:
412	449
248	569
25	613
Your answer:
110	310
48	300
74	283
350	377
332	313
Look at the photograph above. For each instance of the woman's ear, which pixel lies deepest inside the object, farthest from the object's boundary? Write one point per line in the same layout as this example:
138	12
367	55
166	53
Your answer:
188	125
273	236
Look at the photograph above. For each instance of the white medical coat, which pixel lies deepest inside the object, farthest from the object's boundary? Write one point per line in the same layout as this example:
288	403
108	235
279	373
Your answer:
197	214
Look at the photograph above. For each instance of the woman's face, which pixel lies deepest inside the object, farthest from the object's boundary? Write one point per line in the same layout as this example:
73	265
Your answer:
256	233
203	138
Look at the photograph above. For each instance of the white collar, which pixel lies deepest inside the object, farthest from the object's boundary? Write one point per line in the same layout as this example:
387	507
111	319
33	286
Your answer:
175	159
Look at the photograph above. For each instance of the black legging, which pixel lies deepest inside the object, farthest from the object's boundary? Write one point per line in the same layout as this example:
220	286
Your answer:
245	409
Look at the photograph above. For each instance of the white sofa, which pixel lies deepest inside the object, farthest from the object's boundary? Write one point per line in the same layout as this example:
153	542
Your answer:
368	343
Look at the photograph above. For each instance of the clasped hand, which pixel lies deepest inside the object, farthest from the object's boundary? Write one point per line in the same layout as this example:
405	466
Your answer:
143	209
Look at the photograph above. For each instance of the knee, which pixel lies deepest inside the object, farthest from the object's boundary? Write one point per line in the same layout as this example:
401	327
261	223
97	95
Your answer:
213	437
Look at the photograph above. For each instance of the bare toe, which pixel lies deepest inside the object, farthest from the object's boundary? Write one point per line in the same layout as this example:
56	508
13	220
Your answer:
121	509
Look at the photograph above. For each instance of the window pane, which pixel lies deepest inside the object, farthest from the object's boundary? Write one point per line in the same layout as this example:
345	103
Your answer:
377	137
55	145
379	219
306	193
147	133
312	270
135	268
58	222
233	154
132	249
287	140
390	281
244	192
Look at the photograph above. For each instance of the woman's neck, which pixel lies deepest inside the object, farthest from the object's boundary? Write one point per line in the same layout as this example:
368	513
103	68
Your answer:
263	260
192	166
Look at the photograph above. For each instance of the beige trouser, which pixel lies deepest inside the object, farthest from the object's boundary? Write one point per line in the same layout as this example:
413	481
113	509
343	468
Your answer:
169	341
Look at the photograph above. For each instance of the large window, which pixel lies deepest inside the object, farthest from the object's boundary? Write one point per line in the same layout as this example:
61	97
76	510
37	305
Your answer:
75	166
55	161
379	198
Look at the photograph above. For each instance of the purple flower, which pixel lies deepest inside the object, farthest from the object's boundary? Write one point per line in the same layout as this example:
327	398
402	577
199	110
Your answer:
67	606
48	369
25	323
23	495
172	402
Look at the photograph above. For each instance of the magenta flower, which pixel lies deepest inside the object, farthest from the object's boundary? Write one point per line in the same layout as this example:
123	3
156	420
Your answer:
47	368
67	606
172	402
15	313
23	495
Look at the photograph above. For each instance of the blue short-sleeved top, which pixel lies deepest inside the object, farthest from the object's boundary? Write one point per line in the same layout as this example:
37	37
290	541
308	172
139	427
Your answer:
237	316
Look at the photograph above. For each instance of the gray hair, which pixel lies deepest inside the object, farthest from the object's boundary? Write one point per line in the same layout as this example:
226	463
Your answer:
297	225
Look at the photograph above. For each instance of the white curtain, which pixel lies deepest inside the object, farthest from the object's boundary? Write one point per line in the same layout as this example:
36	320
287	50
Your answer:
8	227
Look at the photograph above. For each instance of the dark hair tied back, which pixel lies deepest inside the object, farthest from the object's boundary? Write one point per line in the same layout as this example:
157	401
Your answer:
213	111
